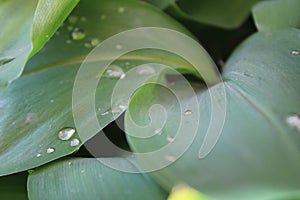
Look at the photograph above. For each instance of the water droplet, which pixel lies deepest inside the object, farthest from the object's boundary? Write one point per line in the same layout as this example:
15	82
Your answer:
46	36
51	101
121	10
50	150
38	155
170	158
73	19
119	47
293	121
82	171
75	142
114	71
157	132
87	45
31	117
68	41
83	19
95	41
66	133
70	28
145	70
118	109
103	17
187	112
170	139
105	113
57	33
295	52
70	163
78	34
4	61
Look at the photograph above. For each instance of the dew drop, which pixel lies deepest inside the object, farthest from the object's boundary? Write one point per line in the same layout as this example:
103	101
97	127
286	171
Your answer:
4	61
73	19
293	121
145	70
75	142
187	112
103	17
170	139
95	41
295	52
114	71
119	47
50	150
70	28
38	155
68	41
170	158
66	133
78	34
83	19
121	10
105	113
51	101
87	45
157	131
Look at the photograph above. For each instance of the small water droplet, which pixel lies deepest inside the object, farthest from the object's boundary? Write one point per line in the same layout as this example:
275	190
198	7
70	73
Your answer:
145	70
73	19
82	171
83	19
293	121
46	36
70	28
121	10
51	101
119	47
87	45
4	61
38	155
187	112
70	163
75	142
170	158
105	113
50	150
66	133
114	71
95	41
78	34
103	17
68	41
170	139
157	132
295	52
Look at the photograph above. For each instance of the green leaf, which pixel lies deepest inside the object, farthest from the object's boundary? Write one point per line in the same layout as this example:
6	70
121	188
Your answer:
36	107
257	154
90	179
26	31
13	187
276	14
161	3
218	13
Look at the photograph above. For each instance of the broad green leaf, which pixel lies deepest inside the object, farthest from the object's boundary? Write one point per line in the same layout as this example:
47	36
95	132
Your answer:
13	187
257	155
180	192
276	14
161	3
36	107
26	28
90	179
224	14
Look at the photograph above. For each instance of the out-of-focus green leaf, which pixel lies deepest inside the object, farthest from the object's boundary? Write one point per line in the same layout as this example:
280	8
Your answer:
276	14
39	104
181	192
218	13
13	187
90	179
257	155
161	3
26	28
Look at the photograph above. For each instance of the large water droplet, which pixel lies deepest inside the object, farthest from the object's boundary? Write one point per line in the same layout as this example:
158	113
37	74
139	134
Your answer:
187	112
114	71
4	61
145	70
295	52
293	121
66	133
75	142
50	150
78	34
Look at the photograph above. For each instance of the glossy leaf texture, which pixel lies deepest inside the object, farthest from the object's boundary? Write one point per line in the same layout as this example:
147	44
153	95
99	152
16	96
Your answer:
161	3
14	186
36	107
89	179
257	154
223	14
276	14
24	34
